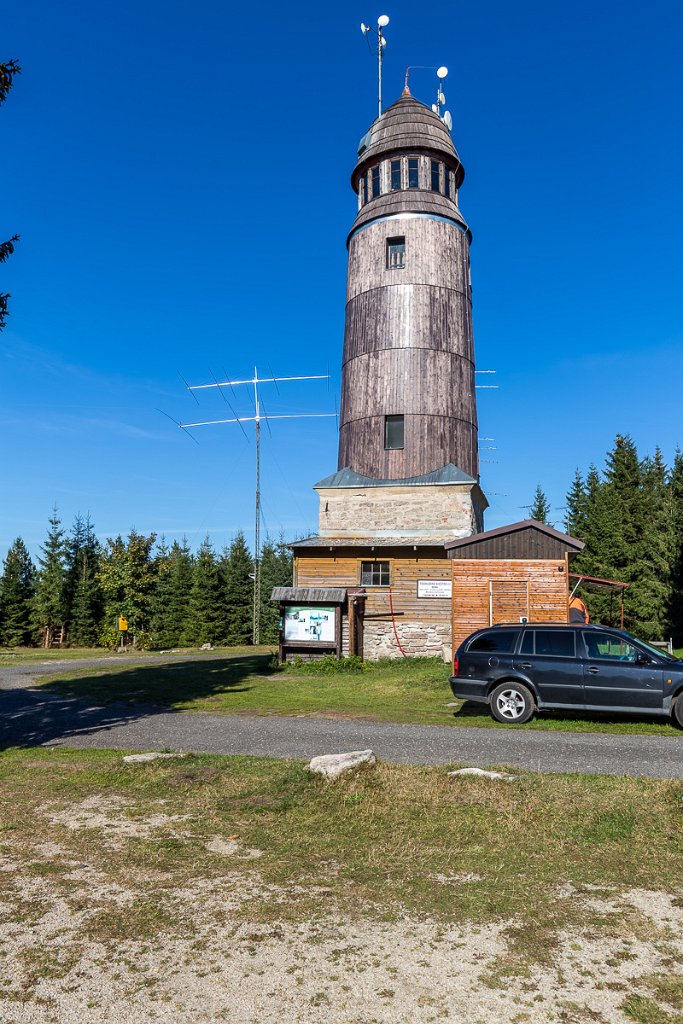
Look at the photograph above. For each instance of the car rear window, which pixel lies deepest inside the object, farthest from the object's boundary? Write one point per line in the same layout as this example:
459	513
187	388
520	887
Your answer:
503	641
556	642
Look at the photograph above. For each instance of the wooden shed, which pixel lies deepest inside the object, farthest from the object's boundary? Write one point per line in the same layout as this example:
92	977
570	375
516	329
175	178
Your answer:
515	573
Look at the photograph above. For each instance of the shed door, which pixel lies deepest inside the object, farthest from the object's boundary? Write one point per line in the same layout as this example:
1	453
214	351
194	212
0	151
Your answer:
508	600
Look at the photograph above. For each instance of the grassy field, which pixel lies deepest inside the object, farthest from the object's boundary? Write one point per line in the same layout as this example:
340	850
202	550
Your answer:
379	838
203	853
243	681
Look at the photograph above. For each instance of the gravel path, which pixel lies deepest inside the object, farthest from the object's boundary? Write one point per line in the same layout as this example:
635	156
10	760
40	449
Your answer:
31	717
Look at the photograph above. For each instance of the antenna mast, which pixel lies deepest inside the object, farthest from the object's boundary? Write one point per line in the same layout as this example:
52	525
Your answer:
382	22
256	420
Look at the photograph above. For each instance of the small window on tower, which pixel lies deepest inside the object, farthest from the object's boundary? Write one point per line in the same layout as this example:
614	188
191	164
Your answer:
393	433
374	574
375	182
395	175
436	187
413	179
447	182
396	253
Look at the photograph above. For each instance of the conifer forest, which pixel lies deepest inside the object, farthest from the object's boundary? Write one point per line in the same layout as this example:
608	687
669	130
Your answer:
170	595
629	513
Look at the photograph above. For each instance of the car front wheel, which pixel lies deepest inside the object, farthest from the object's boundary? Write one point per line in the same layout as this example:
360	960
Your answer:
512	702
678	710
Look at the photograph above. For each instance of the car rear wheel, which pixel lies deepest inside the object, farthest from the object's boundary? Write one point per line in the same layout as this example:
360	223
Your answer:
512	702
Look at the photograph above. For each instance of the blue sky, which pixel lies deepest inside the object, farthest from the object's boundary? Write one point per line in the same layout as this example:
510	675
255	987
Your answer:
179	175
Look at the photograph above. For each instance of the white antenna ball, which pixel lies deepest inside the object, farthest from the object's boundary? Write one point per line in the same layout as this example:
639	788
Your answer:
441	72
383	20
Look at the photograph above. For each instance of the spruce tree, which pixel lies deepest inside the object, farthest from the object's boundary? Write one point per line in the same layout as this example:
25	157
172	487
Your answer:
182	569
49	604
237	568
159	622
205	620
649	593
17	590
576	508
675	608
276	571
540	509
83	596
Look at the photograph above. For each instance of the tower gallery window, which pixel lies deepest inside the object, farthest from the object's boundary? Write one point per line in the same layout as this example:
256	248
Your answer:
375	182
395	175
396	253
393	433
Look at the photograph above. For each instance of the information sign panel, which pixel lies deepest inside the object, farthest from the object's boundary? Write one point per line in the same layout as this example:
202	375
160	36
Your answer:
434	588
310	624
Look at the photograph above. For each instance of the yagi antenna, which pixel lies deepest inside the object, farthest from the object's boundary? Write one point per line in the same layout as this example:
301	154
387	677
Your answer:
260	415
382	23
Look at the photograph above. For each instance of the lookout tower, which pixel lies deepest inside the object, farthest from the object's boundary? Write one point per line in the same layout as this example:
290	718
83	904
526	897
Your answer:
408	458
408	399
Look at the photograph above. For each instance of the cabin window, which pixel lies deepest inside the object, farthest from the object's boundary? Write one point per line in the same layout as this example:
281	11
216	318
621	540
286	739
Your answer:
395	175
447	183
393	432
374	574
375	182
436	186
396	253
413	176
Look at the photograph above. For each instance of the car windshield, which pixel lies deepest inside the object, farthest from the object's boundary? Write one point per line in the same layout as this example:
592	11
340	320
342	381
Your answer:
659	651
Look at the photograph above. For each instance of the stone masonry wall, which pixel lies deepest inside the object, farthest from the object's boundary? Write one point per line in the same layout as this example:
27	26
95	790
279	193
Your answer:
419	640
446	508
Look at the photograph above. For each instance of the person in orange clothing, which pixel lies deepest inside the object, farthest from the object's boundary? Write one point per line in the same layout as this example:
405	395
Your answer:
577	610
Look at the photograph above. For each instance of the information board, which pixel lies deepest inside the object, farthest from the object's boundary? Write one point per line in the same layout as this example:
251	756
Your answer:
310	624
434	588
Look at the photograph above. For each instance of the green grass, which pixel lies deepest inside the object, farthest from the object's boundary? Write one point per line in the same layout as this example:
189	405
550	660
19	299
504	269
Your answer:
246	681
386	841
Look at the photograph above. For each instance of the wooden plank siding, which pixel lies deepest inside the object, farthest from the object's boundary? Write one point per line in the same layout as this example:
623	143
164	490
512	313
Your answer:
344	571
489	591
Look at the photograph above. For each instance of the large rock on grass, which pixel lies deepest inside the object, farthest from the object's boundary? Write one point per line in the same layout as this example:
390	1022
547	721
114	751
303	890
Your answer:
332	766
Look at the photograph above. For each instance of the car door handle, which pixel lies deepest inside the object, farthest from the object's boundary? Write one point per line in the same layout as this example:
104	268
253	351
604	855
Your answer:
526	664
594	671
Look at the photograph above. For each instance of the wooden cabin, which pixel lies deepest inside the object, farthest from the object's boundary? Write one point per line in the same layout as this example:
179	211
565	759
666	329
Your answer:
516	572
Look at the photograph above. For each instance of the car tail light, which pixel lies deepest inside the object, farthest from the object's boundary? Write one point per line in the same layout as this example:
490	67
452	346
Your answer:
456	664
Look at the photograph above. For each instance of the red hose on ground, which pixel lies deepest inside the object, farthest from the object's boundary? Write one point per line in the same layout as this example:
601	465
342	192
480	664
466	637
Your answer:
393	623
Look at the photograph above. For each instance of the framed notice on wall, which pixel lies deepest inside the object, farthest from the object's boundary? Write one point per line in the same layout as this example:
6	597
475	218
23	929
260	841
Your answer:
310	624
434	588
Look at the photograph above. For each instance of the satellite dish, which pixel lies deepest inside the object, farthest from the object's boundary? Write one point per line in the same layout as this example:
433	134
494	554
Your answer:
383	20
441	72
441	98
363	28
448	120
384	42
435	108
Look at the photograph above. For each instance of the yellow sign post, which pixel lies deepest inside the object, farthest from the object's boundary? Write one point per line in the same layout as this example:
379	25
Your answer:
123	624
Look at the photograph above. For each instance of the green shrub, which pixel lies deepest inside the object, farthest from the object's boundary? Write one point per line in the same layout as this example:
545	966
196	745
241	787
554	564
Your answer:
329	665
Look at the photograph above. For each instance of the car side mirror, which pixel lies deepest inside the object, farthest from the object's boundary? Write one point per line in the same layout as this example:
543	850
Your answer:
643	659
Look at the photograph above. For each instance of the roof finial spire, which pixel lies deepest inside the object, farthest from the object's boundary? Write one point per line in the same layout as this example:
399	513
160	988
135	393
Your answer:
406	89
